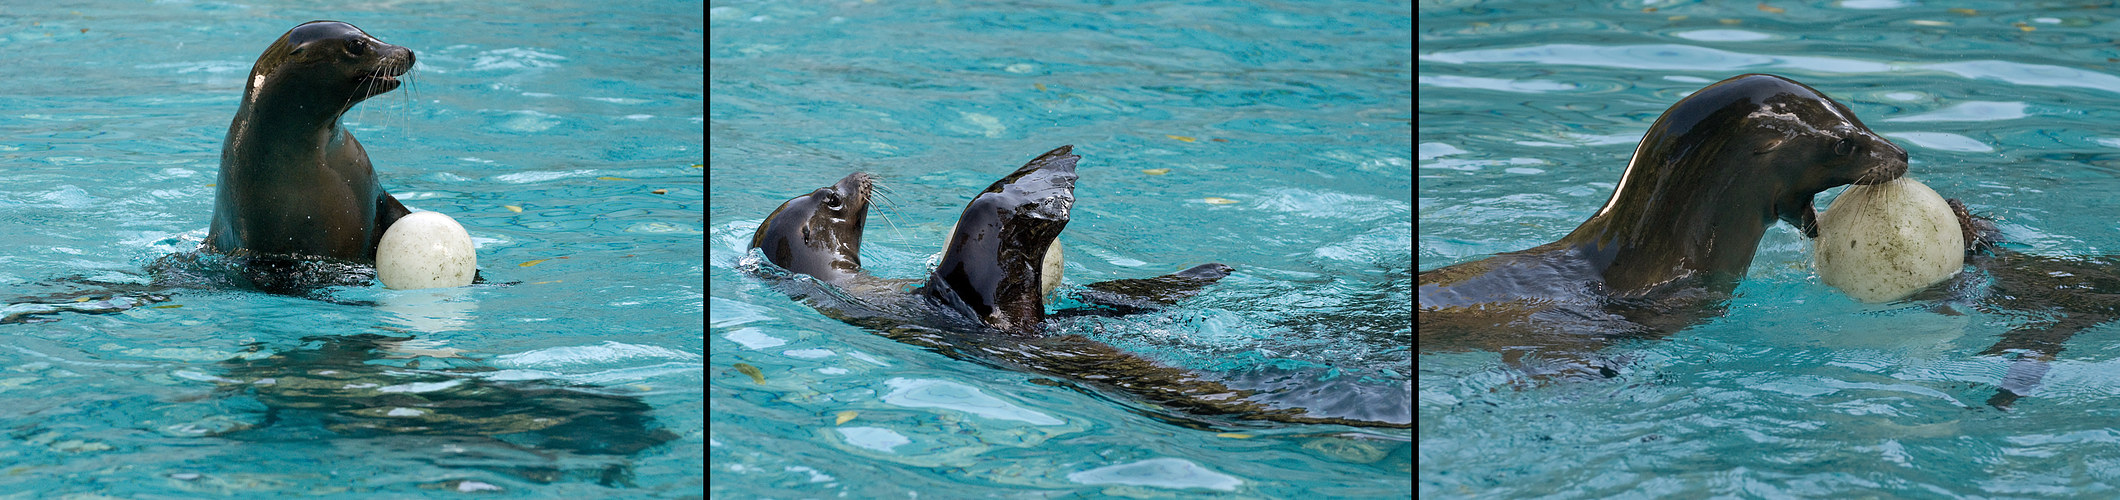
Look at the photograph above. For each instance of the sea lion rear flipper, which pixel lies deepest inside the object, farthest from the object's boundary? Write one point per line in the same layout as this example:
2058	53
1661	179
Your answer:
1139	295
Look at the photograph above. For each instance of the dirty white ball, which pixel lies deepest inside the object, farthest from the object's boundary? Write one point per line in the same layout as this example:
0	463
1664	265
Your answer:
425	250
1049	275
1883	242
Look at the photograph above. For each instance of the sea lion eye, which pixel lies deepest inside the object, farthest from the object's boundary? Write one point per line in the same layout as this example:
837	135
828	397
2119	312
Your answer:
831	200
356	48
1844	147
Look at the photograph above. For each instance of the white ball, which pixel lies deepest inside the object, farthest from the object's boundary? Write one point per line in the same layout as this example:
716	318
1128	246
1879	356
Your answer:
425	250
1883	242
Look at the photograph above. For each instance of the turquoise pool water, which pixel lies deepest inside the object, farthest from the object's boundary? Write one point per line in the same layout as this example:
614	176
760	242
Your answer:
574	112
1528	113
1295	117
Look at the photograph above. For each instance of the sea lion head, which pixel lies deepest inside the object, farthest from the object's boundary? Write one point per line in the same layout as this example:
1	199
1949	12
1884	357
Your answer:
327	66
1754	142
1778	137
993	265
819	234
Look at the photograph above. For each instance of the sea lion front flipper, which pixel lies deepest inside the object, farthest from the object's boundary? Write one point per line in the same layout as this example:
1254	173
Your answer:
387	212
1130	296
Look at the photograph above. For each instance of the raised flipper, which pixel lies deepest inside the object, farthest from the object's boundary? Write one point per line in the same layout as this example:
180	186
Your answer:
1129	296
387	211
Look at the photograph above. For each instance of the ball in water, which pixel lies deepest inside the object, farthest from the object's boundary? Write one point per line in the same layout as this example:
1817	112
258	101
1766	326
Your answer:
425	250
1883	242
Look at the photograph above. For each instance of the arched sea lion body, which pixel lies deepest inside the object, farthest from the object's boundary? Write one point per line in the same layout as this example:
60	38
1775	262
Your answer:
293	182
1679	231
983	302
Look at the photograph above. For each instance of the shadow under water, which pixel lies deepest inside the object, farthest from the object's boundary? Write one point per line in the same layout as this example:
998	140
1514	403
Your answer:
372	387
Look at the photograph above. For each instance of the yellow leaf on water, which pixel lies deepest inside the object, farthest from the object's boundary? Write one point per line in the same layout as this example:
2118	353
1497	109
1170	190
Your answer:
531	263
1041	86
1969	12
661	191
84	298
513	208
610	178
1219	201
1180	137
547	282
845	416
1155	171
756	376
1233	435
1773	9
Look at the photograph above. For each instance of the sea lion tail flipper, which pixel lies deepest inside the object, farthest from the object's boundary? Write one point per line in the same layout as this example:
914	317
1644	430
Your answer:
1130	296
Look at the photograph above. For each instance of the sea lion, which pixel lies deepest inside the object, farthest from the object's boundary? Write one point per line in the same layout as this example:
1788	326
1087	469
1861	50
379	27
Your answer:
1679	231
992	266
293	182
984	303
